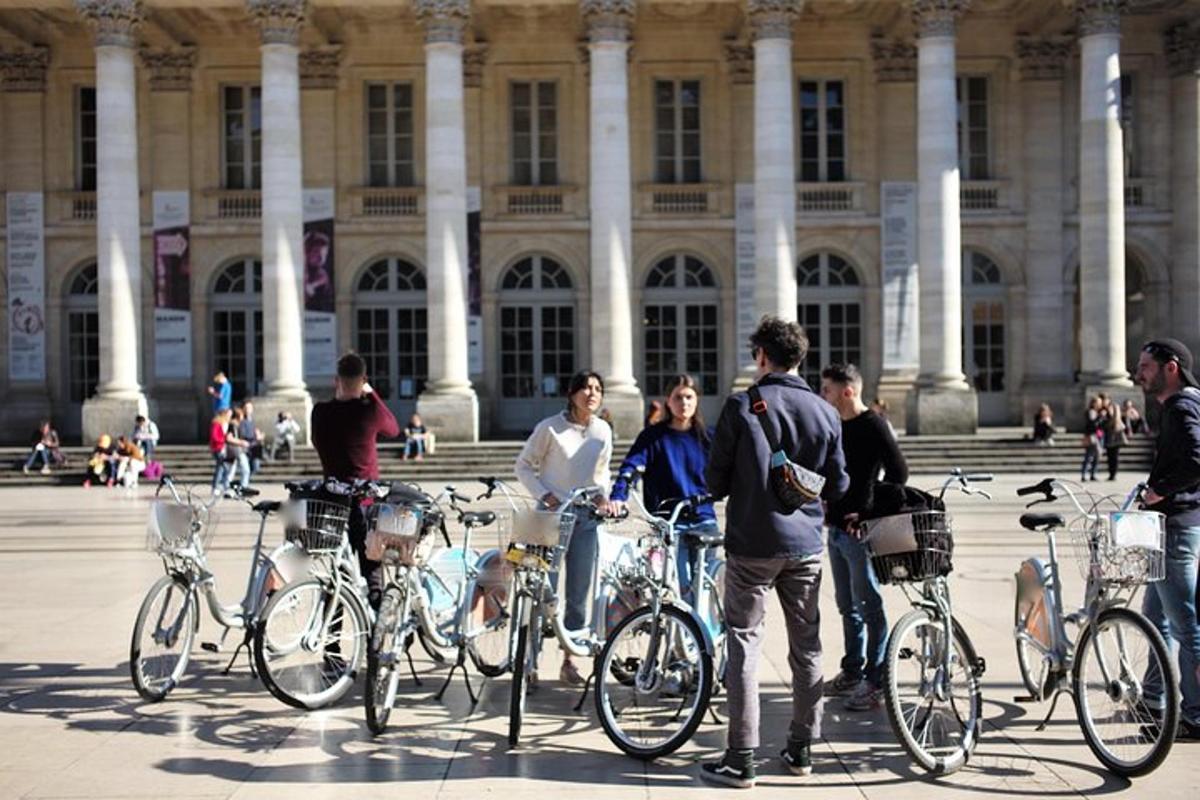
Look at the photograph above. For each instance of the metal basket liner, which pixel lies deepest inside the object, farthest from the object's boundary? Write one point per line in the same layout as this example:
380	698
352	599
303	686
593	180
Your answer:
1144	529
905	533
542	528
396	520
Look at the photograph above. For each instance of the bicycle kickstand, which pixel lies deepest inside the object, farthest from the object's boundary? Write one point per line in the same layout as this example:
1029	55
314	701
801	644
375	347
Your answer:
583	695
460	663
1053	704
237	651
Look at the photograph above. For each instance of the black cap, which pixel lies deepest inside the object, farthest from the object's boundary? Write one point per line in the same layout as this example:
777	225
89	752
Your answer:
1164	350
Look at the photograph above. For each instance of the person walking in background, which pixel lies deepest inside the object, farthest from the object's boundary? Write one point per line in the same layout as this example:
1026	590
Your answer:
236	450
870	449
566	451
145	436
217	431
286	429
1093	438
1043	426
1114	437
770	545
221	392
414	438
249	433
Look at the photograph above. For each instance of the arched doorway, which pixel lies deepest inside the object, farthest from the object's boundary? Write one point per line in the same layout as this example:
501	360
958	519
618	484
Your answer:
391	331
985	336
80	306
830	308
237	326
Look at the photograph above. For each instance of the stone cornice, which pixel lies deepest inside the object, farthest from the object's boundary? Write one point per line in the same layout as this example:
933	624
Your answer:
319	67
608	20
445	21
772	19
740	57
115	21
1043	59
279	21
937	17
474	59
1099	16
1182	45
25	70
170	70
895	60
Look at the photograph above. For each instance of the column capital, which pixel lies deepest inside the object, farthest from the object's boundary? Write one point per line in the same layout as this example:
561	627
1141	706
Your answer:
25	70
1182	46
772	19
740	57
319	67
114	21
444	20
608	20
937	17
279	21
895	60
1099	16
170	69
1043	59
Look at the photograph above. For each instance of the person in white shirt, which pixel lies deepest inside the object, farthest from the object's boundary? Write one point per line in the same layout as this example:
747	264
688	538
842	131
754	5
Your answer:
566	451
286	429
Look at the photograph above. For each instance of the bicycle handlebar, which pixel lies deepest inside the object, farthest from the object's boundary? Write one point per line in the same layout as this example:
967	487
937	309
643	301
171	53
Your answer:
1044	486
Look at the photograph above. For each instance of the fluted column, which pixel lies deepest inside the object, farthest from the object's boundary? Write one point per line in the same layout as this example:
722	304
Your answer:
1101	195
449	405
1183	58
118	231
609	25
943	401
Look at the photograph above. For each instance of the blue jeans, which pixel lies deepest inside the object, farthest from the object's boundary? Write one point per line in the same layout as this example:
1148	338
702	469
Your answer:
42	452
414	447
1091	459
148	446
581	557
1170	605
221	470
685	557
241	468
860	604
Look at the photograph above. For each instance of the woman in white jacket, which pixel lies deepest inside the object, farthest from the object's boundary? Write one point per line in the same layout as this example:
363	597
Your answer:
571	449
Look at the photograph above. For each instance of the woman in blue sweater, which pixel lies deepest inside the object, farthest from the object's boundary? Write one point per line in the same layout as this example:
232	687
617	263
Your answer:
674	453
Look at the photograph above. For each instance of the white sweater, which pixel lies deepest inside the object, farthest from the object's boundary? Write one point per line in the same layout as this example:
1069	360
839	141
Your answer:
560	456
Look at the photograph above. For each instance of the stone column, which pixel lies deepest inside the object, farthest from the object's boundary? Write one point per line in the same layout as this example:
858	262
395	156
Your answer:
1101	196
448	405
609	25
119	396
1183	58
1047	330
279	23
942	402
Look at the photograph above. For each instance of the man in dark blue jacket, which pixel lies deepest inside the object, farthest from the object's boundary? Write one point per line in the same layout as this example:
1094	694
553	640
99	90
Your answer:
769	546
1165	372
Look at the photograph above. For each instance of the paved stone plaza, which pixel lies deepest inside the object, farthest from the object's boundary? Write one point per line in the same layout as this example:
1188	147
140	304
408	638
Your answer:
73	571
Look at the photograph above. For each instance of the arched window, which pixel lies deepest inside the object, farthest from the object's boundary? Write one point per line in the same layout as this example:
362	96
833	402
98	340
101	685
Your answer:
830	307
681	329
237	325
391	331
984	334
537	340
83	334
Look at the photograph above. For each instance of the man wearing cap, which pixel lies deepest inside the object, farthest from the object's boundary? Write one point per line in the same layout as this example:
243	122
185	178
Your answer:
1164	372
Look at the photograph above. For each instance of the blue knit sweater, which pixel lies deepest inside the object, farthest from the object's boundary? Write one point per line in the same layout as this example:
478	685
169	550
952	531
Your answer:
675	462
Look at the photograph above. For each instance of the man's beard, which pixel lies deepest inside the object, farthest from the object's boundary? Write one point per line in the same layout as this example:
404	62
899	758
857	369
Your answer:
1156	386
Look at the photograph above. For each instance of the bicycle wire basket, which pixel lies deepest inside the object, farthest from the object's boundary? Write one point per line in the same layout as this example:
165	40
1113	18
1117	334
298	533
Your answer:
172	526
1121	548
909	548
539	537
398	533
316	523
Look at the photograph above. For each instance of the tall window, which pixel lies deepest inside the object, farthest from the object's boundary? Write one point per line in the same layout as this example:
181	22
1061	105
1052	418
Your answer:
1129	124
237	325
822	131
390	146
391	330
241	121
974	162
983	328
85	138
830	309
83	335
677	131
681	326
534	133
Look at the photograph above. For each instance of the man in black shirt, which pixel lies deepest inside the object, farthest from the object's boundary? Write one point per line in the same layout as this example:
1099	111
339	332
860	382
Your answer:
870	450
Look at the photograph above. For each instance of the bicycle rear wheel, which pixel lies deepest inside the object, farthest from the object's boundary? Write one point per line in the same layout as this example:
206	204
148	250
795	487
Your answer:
932	692
1114	661
379	695
486	625
162	638
520	677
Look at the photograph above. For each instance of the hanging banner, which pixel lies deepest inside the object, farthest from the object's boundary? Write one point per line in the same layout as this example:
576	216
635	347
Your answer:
26	287
743	245
172	286
898	244
320	317
474	282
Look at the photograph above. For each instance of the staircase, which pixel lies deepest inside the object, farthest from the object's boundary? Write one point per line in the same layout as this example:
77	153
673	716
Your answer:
1000	450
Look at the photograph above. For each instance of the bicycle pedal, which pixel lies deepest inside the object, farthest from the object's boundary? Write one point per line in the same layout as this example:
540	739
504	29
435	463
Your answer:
210	647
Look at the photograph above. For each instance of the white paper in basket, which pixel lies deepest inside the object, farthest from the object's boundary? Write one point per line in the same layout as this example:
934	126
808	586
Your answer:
1136	529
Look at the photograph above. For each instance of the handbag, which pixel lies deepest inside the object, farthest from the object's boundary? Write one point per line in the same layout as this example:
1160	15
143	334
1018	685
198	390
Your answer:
794	485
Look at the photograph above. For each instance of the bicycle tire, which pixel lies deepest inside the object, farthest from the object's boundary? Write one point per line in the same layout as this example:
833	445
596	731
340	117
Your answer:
516	700
1164	730
897	652
381	679
186	623
487	645
330	683
623	676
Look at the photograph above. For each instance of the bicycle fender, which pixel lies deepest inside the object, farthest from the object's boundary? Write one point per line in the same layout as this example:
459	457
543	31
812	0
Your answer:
710	647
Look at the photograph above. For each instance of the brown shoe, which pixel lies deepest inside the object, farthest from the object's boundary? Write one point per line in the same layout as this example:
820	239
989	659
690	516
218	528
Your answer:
569	674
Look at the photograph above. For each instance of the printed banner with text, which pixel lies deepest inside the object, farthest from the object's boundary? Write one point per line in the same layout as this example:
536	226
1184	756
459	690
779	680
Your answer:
172	286
26	248
320	318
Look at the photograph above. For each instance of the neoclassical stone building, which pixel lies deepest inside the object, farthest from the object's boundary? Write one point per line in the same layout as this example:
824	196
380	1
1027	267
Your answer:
986	204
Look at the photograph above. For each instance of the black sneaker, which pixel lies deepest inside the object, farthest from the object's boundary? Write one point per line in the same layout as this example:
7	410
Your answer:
1187	732
729	771
798	758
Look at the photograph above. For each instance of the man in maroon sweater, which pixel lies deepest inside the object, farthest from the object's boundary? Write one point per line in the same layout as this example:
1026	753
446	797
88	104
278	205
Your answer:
344	431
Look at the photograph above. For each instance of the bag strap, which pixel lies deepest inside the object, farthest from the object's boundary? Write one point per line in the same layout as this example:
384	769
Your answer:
758	407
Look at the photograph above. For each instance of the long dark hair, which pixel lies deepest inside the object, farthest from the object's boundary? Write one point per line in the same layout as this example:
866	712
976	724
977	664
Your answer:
580	381
684	381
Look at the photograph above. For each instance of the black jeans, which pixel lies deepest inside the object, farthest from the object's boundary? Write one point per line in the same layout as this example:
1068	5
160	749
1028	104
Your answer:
371	570
1114	461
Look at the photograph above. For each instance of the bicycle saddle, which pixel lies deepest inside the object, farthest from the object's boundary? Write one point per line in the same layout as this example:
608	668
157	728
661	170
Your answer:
267	506
1042	522
478	519
706	538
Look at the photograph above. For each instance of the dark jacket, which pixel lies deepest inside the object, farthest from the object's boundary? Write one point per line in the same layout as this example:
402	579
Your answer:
1176	471
810	434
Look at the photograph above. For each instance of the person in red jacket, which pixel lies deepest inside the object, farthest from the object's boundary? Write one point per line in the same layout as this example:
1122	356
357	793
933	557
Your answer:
216	446
344	432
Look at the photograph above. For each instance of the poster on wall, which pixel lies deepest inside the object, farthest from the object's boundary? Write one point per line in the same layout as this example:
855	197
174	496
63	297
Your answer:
474	282
898	243
320	318
26	287
743	244
172	286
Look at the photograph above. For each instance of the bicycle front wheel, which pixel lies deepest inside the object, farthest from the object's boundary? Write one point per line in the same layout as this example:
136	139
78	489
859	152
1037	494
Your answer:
382	676
310	643
162	638
934	702
486	627
1115	660
520	671
654	680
